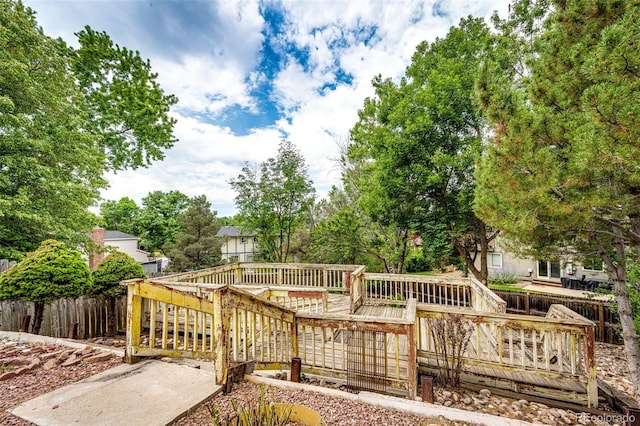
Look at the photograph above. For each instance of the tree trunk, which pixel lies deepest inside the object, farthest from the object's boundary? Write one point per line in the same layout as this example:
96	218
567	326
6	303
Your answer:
111	316
37	317
618	274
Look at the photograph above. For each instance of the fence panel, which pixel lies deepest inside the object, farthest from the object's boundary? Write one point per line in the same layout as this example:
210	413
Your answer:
606	321
90	313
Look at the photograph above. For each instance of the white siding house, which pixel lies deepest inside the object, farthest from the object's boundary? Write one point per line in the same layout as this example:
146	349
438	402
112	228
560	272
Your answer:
125	243
502	261
237	246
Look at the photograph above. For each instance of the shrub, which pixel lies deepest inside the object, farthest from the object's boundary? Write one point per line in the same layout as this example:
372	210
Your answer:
52	272
451	336
504	278
116	267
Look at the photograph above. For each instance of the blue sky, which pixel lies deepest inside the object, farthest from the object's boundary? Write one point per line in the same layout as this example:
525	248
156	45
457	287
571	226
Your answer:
248	74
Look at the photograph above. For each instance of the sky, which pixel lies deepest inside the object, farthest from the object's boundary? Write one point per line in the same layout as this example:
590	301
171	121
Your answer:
249	74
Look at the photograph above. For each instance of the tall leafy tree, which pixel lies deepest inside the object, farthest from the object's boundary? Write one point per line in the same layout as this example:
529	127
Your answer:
563	171
196	245
50	169
120	215
415	143
158	224
67	116
274	199
52	272
126	107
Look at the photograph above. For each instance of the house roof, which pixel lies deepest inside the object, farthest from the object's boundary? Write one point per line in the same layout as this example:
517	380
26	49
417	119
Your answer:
118	235
232	231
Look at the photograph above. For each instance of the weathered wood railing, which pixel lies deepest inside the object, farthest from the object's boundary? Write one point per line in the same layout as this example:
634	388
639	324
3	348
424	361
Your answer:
460	292
549	357
360	349
330	277
227	325
531	354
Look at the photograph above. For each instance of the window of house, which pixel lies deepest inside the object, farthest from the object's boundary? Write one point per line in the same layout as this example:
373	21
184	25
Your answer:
494	260
243	240
250	258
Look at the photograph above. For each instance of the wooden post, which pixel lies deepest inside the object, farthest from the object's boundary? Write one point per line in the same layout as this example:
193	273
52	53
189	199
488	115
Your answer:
427	388
632	416
590	366
601	333
294	337
412	351
24	327
296	366
73	330
526	303
134	319
221	322
238	274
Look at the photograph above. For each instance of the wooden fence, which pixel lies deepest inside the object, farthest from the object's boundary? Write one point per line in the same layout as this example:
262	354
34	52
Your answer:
599	311
90	313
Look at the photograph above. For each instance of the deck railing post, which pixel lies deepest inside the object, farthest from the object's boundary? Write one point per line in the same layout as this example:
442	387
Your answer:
134	320
590	366
412	350
238	274
221	321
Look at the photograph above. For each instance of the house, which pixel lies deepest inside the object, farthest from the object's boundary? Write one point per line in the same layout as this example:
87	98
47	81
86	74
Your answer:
566	272
121	241
238	246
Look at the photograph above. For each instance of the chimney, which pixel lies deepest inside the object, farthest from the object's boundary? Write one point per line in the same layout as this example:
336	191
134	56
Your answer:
97	236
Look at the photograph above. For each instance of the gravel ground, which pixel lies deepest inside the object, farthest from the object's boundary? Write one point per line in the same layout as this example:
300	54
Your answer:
335	411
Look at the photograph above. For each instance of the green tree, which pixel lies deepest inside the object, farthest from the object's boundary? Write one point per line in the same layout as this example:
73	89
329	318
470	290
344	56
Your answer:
67	116
158	224
196	245
120	215
51	272
113	269
563	171
273	201
126	107
50	169
415	143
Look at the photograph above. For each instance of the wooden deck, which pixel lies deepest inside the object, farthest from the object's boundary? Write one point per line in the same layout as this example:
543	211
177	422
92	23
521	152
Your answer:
374	331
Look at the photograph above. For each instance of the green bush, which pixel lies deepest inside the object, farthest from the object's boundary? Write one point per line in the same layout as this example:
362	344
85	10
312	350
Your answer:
504	278
416	262
52	272
116	267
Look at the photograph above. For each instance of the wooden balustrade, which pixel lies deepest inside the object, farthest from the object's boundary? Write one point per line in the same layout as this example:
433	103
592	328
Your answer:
360	349
396	289
331	277
516	350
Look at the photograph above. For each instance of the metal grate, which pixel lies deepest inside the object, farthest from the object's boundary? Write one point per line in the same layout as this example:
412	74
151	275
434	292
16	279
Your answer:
366	360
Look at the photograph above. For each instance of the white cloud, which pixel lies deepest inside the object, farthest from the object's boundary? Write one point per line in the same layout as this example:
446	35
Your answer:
207	54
